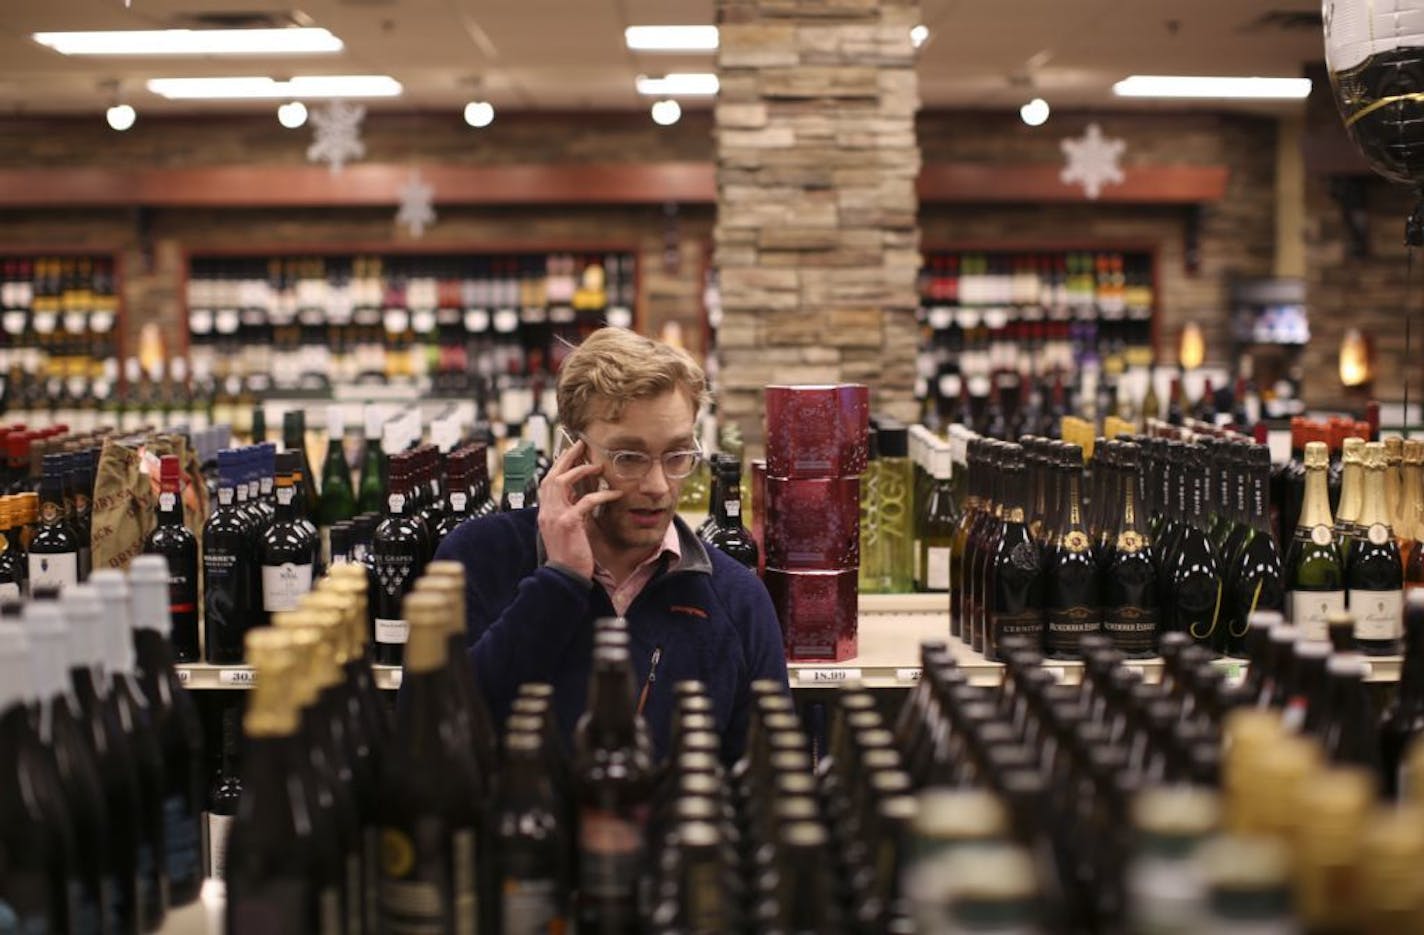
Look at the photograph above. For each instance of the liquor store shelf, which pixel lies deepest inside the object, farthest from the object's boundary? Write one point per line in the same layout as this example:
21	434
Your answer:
892	627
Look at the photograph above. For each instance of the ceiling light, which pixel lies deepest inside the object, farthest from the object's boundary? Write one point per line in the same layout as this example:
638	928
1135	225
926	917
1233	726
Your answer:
479	113
666	112
191	42
292	114
1192	86
121	117
919	35
263	88
1035	112
679	84
671	38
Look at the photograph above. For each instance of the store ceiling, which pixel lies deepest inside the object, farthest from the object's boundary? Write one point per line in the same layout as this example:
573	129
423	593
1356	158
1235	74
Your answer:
569	54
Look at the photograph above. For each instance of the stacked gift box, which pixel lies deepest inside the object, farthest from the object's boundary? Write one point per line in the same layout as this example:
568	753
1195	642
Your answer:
815	456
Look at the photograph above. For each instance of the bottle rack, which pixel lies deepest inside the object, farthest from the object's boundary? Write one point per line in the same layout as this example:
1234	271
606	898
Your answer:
985	313
60	316
304	323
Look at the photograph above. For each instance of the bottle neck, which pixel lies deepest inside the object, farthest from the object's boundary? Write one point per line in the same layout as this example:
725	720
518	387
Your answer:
1315	508
610	706
286	502
1374	510
1130	521
1260	509
1351	493
398	498
170	504
1072	511
727	508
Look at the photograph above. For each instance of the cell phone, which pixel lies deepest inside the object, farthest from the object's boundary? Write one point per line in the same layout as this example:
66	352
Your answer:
588	485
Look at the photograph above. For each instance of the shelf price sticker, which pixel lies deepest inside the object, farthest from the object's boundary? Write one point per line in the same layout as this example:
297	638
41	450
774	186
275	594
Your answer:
1058	672
907	675
827	676
244	677
184	676
395	677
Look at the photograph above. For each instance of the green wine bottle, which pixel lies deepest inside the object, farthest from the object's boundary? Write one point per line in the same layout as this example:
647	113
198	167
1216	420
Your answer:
337	501
371	497
1315	575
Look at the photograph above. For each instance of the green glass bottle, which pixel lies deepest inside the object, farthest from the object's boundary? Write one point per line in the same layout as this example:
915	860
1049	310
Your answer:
894	486
337	501
1315	574
294	438
371	496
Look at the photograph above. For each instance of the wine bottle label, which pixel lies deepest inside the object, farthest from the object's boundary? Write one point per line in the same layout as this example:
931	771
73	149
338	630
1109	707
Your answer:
459	502
283	585
1321	534
936	568
1308	611
182	840
1132	629
1378	533
219	826
733	508
417	876
285	495
529	905
9	591
392	631
1379	615
516	500
1028	623
610	853
60	570
166	500
396	503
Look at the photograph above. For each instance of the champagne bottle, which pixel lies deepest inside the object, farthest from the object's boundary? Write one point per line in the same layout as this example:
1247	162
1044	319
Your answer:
1015	581
1352	493
1129	582
1070	581
1315	578
1403	720
1374	576
337	501
1194	571
1252	577
371	496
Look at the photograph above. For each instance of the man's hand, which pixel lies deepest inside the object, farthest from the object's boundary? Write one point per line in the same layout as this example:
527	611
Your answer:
564	513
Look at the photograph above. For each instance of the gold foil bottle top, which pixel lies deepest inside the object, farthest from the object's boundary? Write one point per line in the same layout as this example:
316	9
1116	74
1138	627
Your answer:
1332	806
1393	450
445	568
1317	455
1269	793
450	590
1373	457
355	592
1391	886
335	610
1177	812
272	706
1351	449
950	816
1413	451
352	572
1236	863
427	614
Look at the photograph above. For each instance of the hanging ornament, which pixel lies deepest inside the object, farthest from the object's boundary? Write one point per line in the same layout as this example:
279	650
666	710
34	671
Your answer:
417	208
338	134
1092	161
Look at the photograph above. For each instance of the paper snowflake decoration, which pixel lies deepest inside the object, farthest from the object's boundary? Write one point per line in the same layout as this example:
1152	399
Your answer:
1092	161
417	210
338	134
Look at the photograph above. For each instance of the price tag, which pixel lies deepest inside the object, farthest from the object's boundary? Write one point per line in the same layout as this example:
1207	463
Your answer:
1056	671
827	676
243	677
907	675
1369	669
396	676
184	676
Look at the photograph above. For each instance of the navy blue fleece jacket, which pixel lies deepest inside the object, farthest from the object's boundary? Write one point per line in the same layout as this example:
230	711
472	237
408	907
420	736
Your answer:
528	622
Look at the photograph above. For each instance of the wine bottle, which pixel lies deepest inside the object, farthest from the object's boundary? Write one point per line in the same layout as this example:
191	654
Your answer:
941	518
1129	580
225	789
1403	720
1413	513
459	474
533	847
372	491
1252	578
54	550
1015	583
283	874
286	549
1194	592
1315	577
959	555
1373	574
294	439
727	532
1070	582
12	556
398	550
229	564
337	501
1352	492
81	479
179	547
614	786
171	711
429	814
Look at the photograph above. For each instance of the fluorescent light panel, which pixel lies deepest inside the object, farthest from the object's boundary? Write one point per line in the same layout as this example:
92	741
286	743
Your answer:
671	38
679	84
297	40
262	88
1220	88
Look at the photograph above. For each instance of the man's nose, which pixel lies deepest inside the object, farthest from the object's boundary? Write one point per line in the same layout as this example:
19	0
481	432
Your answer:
655	482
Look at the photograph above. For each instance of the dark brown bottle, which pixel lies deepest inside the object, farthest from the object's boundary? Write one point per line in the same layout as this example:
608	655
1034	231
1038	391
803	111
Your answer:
727	532
531	841
286	551
1129	581
398	552
1403	719
1070	579
1014	577
179	547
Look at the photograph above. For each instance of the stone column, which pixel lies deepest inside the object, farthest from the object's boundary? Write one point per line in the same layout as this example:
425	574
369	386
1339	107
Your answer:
817	237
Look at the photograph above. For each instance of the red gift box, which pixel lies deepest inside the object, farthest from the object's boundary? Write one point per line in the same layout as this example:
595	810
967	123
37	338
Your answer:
818	613
816	431
813	523
759	512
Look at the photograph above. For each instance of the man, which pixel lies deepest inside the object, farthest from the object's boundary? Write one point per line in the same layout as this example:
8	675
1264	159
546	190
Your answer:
605	540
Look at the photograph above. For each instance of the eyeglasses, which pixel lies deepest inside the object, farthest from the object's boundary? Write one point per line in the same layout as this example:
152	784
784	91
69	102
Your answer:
635	465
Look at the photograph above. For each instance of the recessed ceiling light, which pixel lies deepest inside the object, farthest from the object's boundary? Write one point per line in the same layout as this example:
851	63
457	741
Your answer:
121	116
263	88
192	42
679	84
666	112
292	114
1035	112
919	35
1221	88
479	113
671	38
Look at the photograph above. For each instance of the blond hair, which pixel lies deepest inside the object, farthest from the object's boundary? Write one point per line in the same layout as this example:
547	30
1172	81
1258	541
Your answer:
613	366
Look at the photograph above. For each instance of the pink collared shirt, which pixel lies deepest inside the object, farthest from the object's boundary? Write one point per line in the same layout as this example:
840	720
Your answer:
623	595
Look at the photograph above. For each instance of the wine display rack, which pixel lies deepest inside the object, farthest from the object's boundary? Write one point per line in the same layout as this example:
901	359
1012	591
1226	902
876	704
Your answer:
454	322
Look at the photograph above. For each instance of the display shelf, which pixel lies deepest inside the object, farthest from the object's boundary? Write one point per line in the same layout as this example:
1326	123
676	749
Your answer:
203	676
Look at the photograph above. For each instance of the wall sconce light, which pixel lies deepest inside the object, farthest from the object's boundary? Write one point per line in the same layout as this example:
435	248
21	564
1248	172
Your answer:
1356	359
1191	348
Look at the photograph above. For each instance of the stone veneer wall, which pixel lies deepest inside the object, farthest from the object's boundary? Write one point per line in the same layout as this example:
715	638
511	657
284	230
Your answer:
816	243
